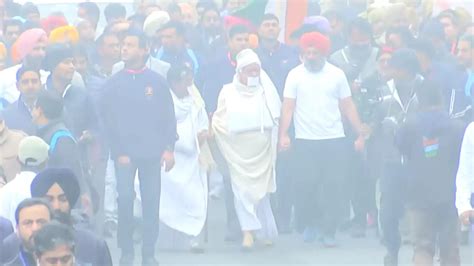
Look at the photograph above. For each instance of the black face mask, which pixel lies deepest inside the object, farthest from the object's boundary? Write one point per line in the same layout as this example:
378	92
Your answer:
64	218
359	51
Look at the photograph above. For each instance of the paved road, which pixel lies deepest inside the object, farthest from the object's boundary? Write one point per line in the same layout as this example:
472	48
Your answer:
288	250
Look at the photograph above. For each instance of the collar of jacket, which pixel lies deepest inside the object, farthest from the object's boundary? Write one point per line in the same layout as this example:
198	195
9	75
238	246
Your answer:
42	130
23	107
136	71
49	86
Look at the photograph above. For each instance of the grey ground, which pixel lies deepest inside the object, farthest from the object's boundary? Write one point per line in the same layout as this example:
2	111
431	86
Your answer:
288	250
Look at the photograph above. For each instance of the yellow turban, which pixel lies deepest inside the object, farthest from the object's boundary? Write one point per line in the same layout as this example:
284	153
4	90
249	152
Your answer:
65	34
376	15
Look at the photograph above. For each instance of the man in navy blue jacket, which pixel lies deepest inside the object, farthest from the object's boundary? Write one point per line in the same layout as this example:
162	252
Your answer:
277	60
141	129
18	114
6	229
430	143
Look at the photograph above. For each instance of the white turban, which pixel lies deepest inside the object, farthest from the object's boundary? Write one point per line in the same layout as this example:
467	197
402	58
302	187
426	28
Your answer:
245	58
154	22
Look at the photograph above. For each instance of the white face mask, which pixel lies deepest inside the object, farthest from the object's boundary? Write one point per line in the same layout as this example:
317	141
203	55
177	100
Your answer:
253	81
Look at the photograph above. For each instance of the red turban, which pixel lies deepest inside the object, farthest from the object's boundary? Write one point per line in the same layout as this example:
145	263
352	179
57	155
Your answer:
52	22
316	40
231	21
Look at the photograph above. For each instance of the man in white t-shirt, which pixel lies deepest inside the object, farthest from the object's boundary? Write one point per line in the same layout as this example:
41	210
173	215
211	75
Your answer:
316	96
465	178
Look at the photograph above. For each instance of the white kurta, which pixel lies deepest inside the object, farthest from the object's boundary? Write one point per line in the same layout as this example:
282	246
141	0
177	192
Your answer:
244	126
184	189
15	192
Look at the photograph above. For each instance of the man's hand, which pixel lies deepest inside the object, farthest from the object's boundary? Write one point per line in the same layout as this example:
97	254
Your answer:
365	131
123	160
86	136
284	143
466	217
167	159
359	144
86	204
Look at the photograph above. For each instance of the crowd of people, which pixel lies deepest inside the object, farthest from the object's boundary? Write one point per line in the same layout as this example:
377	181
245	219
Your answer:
361	118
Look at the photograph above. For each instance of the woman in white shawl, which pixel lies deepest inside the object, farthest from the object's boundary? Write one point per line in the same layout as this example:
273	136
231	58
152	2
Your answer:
244	127
184	189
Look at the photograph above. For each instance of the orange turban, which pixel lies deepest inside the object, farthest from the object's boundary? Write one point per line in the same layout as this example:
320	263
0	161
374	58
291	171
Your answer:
3	50
316	40
65	34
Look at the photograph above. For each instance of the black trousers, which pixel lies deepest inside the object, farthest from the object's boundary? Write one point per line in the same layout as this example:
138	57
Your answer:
392	204
360	187
284	196
149	174
233	225
318	187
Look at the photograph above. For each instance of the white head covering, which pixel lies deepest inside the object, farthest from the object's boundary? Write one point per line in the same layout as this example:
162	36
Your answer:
245	58
154	22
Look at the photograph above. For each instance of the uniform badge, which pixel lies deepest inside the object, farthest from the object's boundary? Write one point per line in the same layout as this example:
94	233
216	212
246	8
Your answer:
149	91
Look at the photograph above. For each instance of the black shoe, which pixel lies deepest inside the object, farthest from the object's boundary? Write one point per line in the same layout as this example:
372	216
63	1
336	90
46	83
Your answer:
110	228
127	260
358	231
149	261
284	229
390	260
346	226
464	239
232	236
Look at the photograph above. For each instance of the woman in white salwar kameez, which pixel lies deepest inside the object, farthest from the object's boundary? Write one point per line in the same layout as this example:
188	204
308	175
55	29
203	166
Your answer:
184	189
244	126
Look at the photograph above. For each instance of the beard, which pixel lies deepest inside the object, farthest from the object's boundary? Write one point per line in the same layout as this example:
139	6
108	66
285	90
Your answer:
314	65
28	244
62	217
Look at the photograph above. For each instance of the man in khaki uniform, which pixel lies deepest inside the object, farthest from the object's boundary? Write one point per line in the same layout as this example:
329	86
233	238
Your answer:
9	142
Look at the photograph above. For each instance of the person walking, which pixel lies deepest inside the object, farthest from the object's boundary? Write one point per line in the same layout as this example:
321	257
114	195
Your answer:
318	124
244	126
140	124
184	189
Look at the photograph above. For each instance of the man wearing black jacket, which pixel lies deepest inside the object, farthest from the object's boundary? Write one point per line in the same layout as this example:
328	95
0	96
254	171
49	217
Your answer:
63	152
430	143
139	118
79	115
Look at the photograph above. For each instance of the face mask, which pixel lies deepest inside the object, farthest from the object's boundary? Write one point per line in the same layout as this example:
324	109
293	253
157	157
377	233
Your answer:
253	81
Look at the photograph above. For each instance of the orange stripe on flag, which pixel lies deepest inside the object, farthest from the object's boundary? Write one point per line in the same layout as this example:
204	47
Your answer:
296	11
